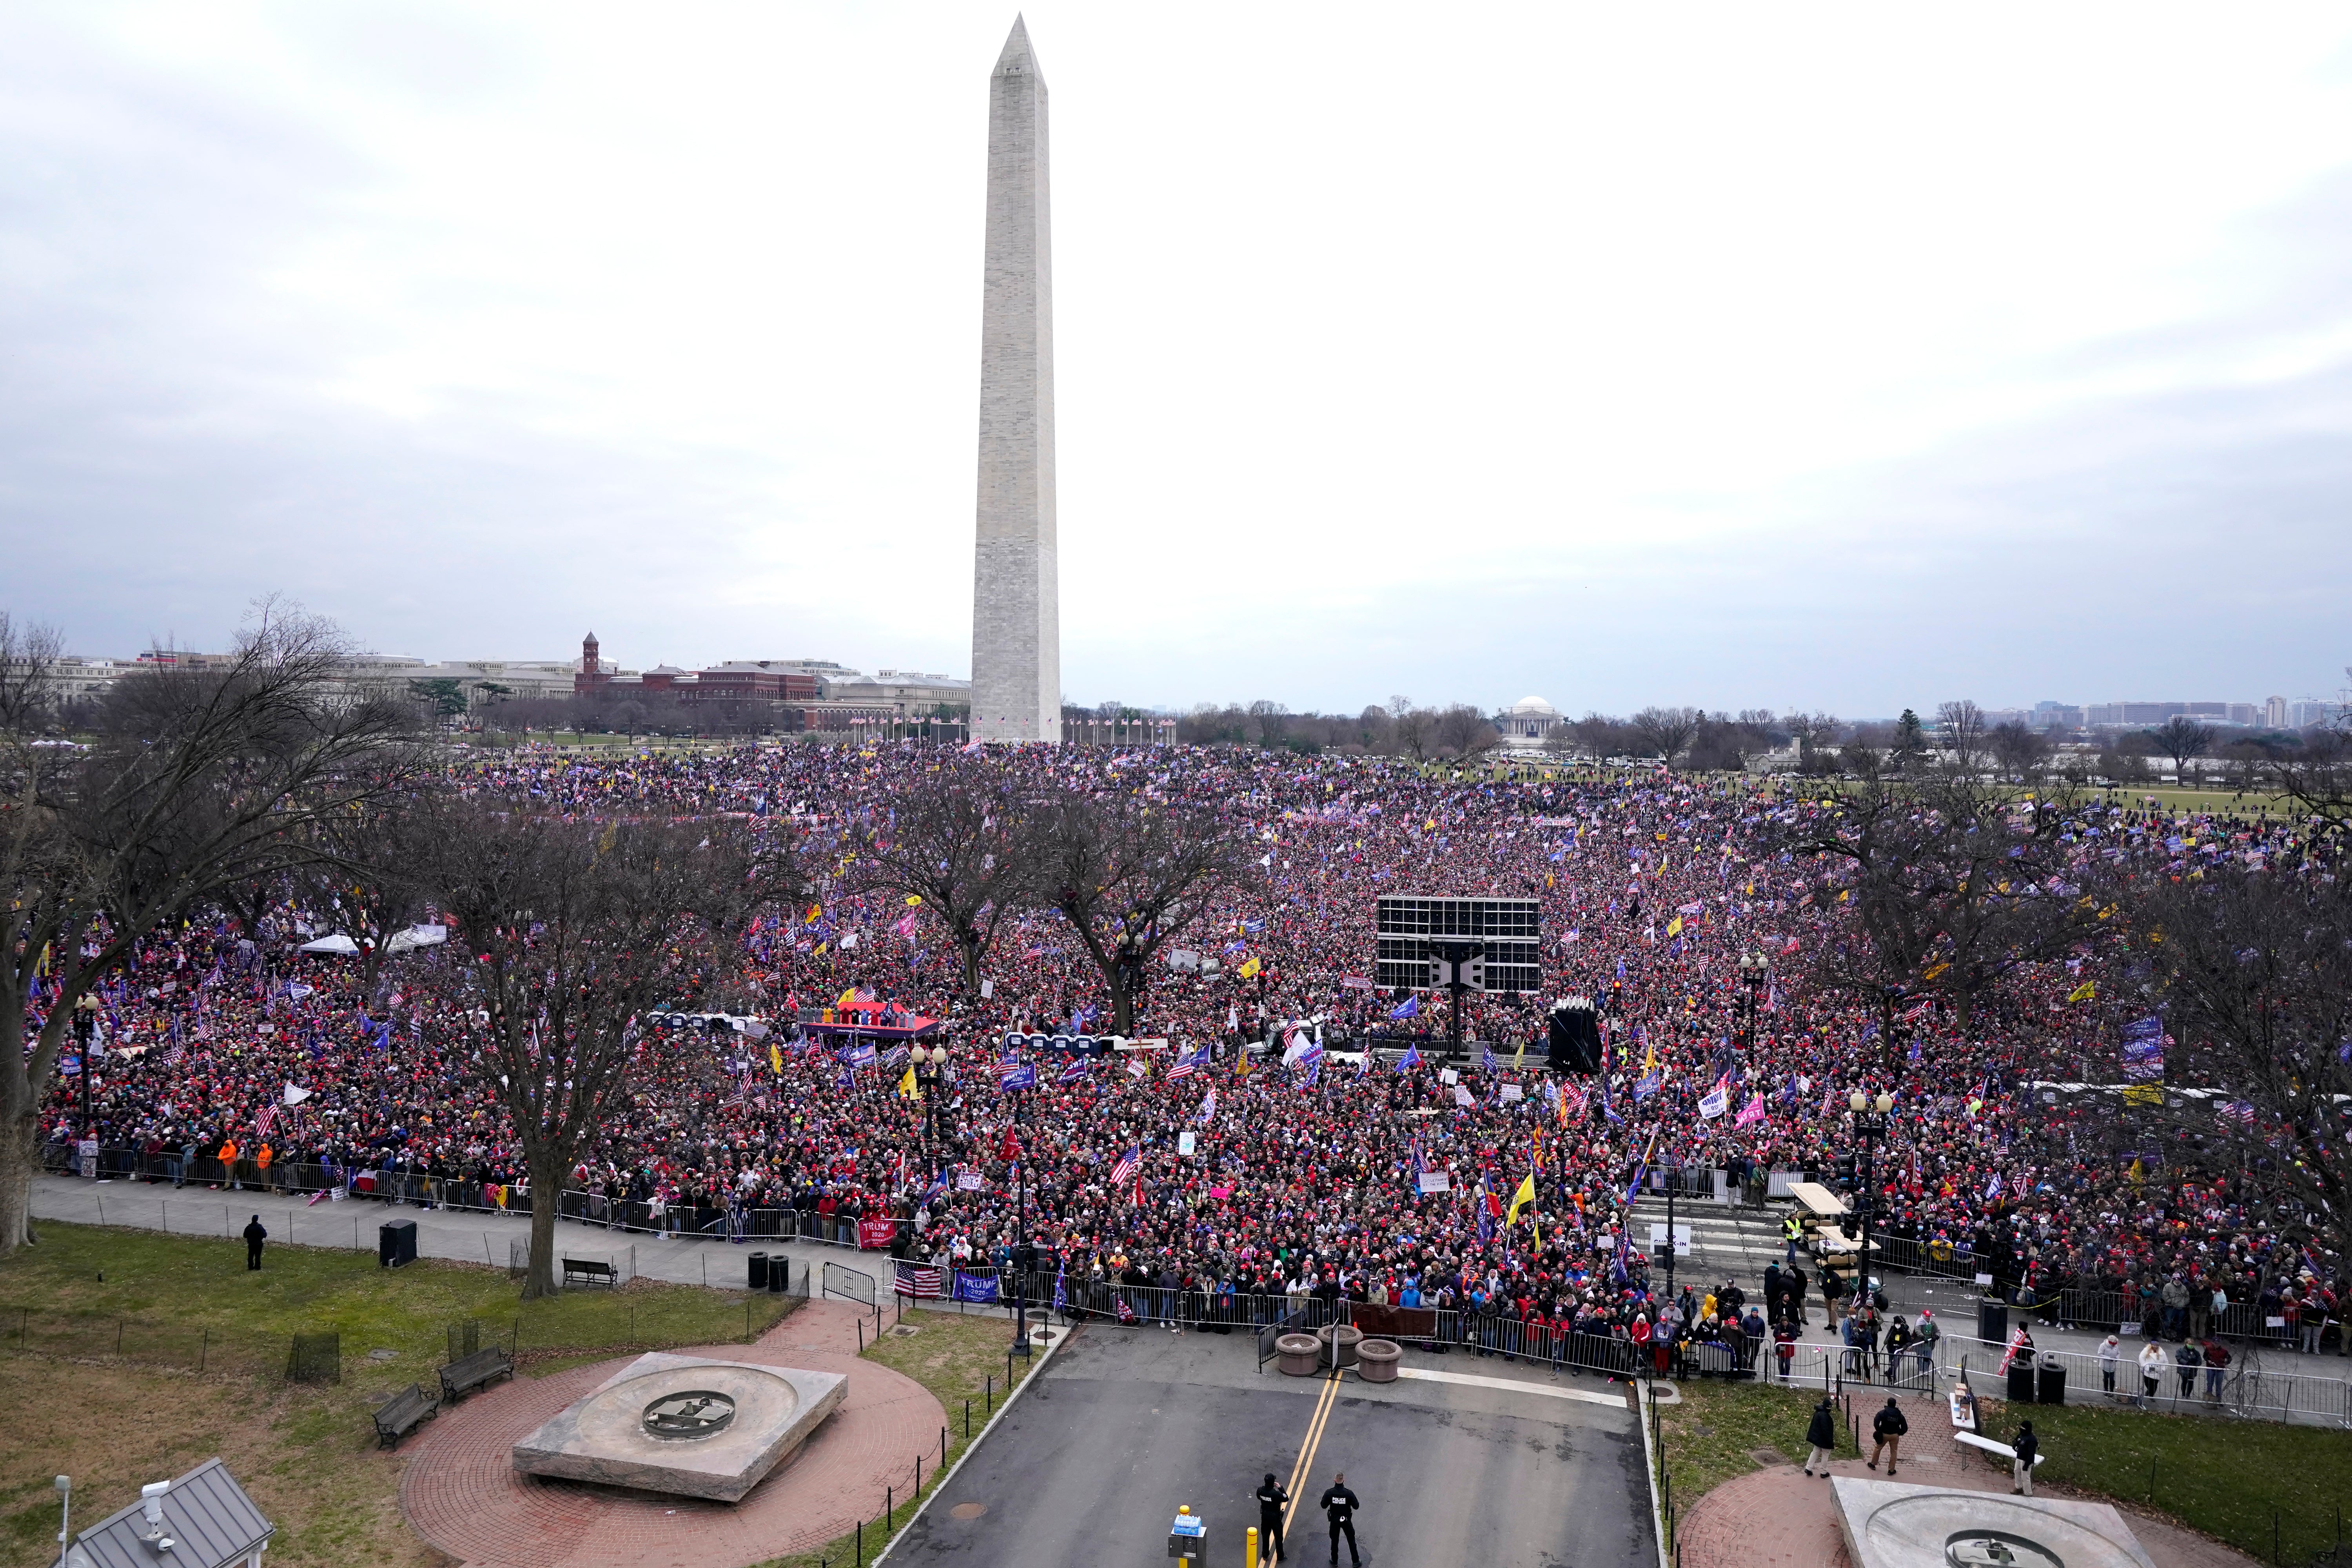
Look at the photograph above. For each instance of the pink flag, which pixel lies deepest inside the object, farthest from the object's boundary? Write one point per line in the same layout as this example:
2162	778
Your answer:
1751	1111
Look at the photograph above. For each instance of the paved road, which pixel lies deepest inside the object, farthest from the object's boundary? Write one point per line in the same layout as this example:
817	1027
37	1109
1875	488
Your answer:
1125	1425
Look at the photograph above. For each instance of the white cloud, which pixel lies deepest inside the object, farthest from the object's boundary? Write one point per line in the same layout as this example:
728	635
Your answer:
1841	357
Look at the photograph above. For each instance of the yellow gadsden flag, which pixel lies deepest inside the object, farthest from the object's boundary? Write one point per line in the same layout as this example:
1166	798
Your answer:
1248	969
1522	1198
2085	992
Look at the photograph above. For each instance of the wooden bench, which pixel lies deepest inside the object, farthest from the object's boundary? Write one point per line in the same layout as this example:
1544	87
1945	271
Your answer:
591	1269
402	1414
479	1369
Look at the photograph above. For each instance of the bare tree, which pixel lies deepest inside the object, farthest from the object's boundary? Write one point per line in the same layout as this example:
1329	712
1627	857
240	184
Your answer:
1128	875
2022	753
1662	732
1602	736
1463	731
2180	737
2254	985
566	934
1961	725
369	873
1947	886
1415	730
954	842
198	780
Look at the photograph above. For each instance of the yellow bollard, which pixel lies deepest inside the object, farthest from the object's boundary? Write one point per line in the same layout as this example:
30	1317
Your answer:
1249	1549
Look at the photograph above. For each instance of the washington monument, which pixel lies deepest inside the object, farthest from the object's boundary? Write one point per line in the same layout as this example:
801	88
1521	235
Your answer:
1016	613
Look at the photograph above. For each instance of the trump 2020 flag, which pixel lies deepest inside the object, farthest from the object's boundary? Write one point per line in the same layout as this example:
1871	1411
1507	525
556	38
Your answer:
1409	1008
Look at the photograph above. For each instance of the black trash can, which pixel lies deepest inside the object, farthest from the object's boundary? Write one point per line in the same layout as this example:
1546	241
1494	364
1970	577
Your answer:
2021	1385
2052	1383
779	1273
759	1271
395	1243
1992	1321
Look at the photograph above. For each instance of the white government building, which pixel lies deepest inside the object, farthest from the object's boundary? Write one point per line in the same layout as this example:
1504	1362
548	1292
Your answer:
1528	724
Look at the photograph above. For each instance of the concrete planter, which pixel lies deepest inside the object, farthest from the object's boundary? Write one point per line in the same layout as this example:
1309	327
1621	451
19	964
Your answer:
1376	1361
1340	1341
1296	1355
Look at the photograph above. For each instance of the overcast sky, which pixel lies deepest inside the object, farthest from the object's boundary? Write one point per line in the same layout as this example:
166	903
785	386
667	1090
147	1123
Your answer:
1835	357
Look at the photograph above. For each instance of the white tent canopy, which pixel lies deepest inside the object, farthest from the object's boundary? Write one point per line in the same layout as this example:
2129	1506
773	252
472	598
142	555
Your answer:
430	935
337	942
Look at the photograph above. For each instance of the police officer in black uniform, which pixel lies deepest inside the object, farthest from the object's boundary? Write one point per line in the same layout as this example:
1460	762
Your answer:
1272	1499
1340	1505
254	1236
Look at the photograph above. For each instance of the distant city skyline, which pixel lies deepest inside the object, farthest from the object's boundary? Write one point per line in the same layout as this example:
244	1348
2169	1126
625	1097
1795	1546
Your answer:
1718	357
2292	712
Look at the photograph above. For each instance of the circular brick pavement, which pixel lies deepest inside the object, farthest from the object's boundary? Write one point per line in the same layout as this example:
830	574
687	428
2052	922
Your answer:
462	1493
1778	1518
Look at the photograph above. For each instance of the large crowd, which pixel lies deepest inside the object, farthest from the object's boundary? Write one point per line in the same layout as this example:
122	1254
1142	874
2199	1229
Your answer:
1280	1140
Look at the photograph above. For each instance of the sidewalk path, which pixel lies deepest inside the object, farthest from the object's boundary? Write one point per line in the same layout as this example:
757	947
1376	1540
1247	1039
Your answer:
1778	1518
458	1234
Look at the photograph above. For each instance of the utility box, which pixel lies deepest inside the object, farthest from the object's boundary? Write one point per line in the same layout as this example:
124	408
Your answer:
1188	1537
395	1244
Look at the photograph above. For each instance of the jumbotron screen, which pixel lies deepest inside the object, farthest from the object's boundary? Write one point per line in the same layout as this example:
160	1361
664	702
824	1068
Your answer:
1407	923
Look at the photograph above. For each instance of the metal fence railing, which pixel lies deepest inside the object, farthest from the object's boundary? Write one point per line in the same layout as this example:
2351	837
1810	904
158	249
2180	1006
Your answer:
2249	1386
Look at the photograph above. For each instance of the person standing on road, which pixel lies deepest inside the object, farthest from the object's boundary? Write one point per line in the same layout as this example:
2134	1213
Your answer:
1272	1499
1821	1433
254	1236
1887	1429
2027	1446
1340	1506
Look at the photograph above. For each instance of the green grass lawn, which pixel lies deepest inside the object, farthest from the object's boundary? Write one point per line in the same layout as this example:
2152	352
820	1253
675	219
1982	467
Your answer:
960	1359
2218	1476
115	1419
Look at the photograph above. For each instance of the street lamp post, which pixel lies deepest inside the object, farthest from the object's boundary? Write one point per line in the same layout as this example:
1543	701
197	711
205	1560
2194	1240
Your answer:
1753	969
1023	1254
1869	1129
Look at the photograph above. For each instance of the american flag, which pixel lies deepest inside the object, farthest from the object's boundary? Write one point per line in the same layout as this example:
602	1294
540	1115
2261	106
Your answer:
917	1280
1185	1065
265	1122
1128	1165
174	1057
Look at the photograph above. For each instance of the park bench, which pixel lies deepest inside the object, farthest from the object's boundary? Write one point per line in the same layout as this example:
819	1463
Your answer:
590	1268
402	1414
467	1373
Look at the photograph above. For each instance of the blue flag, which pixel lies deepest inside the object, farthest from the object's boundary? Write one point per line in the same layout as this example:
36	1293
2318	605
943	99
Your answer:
1409	1008
1411	1059
976	1287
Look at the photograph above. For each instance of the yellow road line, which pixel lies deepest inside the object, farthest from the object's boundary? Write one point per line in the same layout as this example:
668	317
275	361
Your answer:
1300	1471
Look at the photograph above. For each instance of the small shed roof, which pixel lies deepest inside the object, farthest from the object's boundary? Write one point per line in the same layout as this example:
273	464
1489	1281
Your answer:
210	1520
